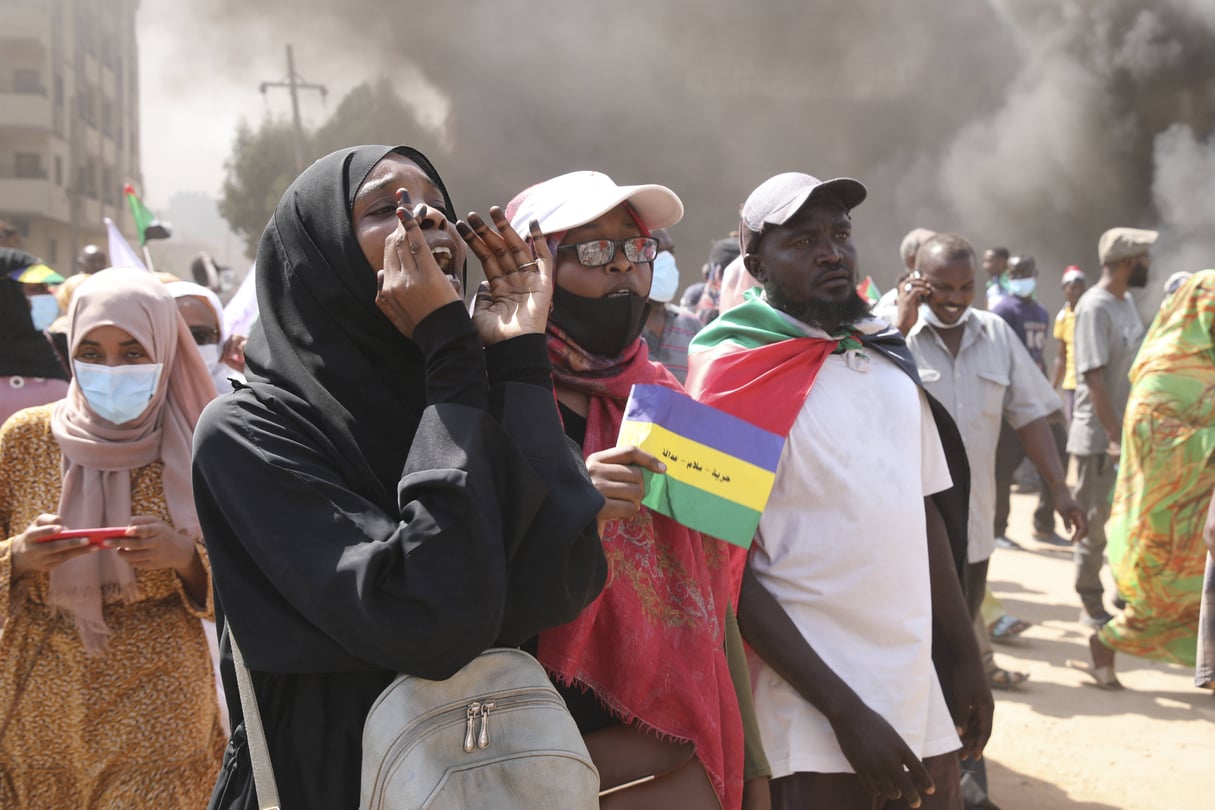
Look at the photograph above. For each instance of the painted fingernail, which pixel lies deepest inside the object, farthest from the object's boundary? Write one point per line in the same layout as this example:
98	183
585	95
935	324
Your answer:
402	197
420	210
463	229
534	225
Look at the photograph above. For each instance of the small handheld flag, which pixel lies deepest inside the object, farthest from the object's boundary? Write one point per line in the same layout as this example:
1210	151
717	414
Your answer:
147	224
868	290
120	251
720	469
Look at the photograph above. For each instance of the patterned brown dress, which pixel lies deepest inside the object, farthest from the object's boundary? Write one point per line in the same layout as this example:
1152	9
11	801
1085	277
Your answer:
136	727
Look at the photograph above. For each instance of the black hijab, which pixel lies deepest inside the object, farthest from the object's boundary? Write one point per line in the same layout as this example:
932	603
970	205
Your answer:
24	351
321	352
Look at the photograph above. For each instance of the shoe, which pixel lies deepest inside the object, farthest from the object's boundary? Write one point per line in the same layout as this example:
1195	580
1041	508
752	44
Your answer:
1007	628
1103	677
1011	545
1050	538
1095	619
1006	679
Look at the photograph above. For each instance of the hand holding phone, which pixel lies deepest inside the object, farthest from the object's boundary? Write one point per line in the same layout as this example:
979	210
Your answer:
43	546
96	537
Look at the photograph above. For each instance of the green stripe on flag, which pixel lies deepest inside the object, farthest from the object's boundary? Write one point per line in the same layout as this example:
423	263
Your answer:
140	213
699	510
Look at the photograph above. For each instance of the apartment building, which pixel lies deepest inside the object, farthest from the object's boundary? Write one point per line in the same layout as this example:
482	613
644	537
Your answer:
69	121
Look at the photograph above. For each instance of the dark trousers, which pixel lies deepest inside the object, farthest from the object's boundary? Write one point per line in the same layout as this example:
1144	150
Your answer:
842	791
1009	455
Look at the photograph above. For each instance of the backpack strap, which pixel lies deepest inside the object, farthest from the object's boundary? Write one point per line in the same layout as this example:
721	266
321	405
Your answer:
255	735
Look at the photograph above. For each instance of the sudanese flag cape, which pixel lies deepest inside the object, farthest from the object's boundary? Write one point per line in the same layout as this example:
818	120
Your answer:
753	363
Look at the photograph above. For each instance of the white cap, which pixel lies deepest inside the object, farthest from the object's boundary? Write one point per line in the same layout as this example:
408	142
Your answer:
666	278
577	198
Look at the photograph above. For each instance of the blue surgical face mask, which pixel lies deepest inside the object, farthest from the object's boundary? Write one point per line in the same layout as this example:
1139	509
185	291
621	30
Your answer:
118	394
44	309
1022	287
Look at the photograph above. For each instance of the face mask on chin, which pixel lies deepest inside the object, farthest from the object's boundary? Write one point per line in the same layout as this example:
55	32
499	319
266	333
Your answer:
930	317
118	394
601	326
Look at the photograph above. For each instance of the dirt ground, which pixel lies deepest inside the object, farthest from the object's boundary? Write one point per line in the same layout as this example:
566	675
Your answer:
1059	742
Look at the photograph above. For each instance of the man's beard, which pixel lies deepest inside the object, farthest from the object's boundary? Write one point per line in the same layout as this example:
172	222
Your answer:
825	315
1138	277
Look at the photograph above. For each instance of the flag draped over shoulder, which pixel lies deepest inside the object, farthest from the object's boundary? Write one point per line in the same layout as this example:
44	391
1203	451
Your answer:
753	363
758	365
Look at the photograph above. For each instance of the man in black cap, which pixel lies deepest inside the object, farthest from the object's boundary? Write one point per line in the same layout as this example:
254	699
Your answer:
855	566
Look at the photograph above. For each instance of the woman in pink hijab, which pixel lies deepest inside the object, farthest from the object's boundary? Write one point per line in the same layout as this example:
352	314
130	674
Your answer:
106	693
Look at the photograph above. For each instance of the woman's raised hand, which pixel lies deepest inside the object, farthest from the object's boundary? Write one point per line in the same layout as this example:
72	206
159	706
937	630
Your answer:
411	285
518	293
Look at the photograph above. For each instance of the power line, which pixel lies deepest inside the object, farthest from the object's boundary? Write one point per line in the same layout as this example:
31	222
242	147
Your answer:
294	84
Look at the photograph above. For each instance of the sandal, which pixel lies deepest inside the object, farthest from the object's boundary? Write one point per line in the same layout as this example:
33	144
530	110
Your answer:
1103	677
1005	679
1007	627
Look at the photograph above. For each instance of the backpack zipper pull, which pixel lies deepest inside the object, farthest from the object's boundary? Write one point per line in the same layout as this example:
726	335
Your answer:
474	709
483	738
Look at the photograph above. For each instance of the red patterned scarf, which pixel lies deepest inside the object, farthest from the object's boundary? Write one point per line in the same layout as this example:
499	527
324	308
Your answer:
651	647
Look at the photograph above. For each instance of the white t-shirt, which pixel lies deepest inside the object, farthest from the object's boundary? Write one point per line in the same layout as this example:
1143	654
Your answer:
842	545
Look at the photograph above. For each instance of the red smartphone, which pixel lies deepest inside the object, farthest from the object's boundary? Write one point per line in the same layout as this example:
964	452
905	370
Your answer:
97	537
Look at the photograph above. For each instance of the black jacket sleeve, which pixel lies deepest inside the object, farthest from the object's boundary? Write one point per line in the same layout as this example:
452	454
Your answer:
556	566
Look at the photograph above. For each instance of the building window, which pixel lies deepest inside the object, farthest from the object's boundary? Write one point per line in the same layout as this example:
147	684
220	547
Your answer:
108	192
52	250
58	170
107	113
58	98
87	105
28	165
28	81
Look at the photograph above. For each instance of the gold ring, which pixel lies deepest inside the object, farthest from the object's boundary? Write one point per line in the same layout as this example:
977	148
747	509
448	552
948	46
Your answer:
413	248
532	263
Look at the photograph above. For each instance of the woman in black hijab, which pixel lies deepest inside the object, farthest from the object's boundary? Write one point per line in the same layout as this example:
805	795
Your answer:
384	495
31	372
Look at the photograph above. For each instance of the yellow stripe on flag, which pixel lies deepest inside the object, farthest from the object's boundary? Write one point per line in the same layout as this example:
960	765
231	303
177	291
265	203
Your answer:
701	466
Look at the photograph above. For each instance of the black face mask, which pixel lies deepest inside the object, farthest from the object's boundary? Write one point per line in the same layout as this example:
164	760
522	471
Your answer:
1138	276
601	326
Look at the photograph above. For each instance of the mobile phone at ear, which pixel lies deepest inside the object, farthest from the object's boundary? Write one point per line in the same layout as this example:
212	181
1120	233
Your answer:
97	537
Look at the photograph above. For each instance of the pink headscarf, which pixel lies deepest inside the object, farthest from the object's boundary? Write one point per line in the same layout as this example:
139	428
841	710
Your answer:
99	455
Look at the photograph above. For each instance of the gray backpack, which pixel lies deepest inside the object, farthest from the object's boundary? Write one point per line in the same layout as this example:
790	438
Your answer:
494	735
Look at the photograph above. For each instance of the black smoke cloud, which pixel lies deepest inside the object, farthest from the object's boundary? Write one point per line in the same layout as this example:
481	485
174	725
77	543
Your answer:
1031	123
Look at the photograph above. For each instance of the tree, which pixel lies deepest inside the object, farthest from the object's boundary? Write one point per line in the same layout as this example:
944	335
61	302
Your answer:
261	165
259	170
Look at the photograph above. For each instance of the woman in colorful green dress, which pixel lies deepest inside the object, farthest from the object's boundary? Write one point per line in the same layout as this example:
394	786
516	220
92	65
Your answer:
1165	478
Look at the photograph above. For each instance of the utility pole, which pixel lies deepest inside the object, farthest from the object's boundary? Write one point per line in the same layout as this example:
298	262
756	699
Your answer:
294	84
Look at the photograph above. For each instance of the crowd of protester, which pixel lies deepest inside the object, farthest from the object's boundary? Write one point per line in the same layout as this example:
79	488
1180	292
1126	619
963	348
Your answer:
396	473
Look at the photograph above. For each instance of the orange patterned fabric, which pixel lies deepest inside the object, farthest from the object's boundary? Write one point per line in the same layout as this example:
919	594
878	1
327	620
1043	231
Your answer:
137	727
